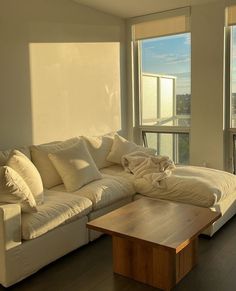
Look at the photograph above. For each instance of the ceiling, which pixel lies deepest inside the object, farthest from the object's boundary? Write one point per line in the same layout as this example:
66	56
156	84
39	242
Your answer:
132	8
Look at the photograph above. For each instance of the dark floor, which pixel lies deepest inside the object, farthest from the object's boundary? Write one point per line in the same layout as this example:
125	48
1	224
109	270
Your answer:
90	268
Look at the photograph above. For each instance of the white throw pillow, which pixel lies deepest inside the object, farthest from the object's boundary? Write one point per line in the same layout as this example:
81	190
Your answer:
122	146
13	189
26	169
39	153
99	148
75	166
4	155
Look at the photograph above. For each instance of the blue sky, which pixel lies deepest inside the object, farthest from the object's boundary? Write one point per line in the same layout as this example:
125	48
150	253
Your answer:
169	55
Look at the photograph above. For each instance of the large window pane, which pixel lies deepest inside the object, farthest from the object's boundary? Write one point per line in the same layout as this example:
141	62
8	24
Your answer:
165	80
149	100
173	145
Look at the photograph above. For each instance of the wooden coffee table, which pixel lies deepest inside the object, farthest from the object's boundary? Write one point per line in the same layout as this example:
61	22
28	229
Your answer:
155	241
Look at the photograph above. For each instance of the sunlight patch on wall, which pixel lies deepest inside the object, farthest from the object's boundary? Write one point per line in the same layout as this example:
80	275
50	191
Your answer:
75	89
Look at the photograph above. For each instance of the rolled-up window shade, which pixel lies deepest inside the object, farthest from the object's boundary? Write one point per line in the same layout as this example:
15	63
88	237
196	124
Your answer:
164	23
231	15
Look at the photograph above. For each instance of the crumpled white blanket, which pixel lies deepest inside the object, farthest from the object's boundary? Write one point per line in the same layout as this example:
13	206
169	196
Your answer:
149	167
158	177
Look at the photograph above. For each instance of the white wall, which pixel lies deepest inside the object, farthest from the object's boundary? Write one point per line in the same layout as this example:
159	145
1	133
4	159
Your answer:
62	71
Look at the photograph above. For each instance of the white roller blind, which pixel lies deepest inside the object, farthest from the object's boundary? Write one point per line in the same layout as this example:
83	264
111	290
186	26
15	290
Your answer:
164	23
231	15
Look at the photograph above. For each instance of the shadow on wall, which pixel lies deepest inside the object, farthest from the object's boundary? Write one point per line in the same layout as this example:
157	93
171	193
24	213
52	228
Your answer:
62	72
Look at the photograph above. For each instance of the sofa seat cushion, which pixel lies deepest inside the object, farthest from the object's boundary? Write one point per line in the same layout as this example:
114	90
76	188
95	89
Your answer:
105	191
118	171
58	208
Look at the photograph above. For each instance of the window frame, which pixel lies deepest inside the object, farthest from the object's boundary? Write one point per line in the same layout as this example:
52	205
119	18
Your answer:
230	131
137	91
175	138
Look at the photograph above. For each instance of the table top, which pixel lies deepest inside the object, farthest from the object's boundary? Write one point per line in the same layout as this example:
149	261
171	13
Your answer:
157	222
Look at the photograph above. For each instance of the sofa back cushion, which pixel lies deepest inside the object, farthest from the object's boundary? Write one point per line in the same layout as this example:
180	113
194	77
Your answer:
99	148
121	147
4	155
13	189
26	169
75	166
39	153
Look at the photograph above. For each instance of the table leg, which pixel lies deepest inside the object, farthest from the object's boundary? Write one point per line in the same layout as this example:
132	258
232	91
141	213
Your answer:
157	266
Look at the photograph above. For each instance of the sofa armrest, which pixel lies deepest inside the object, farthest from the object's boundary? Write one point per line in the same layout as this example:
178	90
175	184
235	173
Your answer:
10	237
10	226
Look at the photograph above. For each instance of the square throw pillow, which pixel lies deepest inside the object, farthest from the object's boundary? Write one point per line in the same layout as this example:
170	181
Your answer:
122	146
13	189
4	155
39	153
75	166
27	170
99	148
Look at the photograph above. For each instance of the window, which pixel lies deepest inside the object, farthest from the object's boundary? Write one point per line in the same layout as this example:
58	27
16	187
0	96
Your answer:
233	95
231	80
165	80
163	47
174	145
233	77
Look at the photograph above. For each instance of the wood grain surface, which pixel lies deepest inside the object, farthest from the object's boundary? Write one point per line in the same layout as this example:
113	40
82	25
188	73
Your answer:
156	222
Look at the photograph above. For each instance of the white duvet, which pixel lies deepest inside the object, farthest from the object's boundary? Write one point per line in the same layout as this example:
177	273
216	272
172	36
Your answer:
189	184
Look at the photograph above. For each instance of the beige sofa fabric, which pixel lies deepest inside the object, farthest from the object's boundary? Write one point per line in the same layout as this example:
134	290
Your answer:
199	186
121	147
105	191
99	148
28	257
57	209
26	169
10	231
39	153
13	189
75	166
118	171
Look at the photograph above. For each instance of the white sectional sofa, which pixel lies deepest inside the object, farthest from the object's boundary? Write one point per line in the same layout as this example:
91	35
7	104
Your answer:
29	241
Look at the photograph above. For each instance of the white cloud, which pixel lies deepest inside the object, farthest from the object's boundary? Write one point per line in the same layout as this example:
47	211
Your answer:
179	60
164	56
171	59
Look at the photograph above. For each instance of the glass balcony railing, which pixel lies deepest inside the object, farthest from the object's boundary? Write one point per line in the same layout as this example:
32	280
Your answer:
173	145
178	120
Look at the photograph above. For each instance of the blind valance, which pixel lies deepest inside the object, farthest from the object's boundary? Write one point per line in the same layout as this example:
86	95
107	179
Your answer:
231	15
164	23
